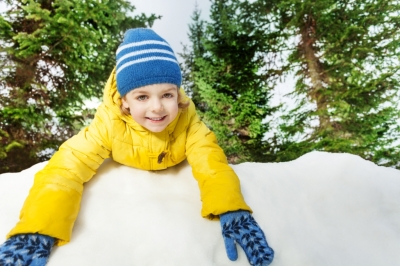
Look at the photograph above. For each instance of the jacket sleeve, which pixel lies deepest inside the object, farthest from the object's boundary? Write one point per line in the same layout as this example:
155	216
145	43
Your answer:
53	202
218	183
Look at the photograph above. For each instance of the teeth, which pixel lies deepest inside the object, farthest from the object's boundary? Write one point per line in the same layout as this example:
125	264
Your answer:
156	119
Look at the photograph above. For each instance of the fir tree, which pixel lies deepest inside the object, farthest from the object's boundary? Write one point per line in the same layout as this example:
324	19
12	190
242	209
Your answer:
228	74
190	54
346	54
54	55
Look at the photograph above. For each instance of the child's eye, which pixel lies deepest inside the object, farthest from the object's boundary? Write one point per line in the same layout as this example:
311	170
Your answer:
141	97
168	95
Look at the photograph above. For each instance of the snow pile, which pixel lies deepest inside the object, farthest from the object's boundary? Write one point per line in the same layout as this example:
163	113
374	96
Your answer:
321	209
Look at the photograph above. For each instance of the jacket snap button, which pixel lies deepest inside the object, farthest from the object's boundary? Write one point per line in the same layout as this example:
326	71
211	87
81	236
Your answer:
161	157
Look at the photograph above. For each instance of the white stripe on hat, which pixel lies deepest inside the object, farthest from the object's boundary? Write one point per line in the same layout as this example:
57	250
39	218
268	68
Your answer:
152	58
140	43
148	51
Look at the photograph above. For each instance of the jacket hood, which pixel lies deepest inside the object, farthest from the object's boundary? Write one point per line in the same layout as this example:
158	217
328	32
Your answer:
112	100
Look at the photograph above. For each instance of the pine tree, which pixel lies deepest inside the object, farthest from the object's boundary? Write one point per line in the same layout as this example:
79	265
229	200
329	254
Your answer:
189	56
346	57
54	55
229	77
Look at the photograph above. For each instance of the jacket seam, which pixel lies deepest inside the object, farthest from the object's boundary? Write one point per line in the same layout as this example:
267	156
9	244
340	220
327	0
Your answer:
59	184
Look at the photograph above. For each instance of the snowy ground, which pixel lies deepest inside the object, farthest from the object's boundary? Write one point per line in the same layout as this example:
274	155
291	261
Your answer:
321	209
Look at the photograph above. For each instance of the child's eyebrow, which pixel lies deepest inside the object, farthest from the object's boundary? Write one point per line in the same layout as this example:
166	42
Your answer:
139	91
170	89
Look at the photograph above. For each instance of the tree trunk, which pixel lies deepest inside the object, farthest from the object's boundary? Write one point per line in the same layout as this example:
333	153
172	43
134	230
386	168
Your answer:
315	70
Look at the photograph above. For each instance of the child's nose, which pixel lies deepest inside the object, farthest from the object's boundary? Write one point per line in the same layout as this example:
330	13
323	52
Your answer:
157	105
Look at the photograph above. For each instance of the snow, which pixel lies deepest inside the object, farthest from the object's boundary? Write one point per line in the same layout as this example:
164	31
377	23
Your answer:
321	209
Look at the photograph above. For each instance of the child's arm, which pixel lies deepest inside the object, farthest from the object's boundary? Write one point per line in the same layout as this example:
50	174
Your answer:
219	185
53	202
221	195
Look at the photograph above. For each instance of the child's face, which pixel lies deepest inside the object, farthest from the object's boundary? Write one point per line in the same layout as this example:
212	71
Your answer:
154	106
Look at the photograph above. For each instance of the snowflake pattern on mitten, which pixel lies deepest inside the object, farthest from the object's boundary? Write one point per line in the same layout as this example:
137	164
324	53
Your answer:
26	249
241	227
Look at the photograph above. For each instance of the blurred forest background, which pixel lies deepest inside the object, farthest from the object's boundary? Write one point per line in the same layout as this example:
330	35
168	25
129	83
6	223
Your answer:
344	56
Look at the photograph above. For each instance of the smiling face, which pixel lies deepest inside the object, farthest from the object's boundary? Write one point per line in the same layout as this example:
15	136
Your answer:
154	106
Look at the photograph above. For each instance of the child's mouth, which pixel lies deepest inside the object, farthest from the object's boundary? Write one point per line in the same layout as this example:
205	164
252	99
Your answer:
156	119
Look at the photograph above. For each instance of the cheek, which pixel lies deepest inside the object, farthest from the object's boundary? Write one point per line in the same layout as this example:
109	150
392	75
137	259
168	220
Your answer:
135	110
175	112
173	107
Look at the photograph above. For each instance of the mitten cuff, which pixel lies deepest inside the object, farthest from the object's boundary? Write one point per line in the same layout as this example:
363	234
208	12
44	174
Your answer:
229	216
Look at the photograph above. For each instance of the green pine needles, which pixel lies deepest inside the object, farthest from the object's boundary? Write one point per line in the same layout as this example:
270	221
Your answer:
54	56
343	55
346	63
227	79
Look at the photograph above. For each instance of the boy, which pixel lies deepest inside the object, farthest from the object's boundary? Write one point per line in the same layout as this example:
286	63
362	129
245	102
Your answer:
145	121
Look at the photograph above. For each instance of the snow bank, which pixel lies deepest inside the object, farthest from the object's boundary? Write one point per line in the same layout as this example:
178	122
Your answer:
321	209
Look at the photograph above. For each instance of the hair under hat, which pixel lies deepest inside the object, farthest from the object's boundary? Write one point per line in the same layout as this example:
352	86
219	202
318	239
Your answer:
144	58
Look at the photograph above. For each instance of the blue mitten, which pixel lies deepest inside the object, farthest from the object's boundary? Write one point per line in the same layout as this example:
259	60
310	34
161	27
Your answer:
241	227
26	249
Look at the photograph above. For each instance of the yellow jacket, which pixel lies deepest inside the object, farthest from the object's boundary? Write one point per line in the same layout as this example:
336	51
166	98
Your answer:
53	202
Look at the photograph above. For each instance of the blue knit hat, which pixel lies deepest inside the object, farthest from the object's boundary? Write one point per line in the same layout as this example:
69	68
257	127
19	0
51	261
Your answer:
144	58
